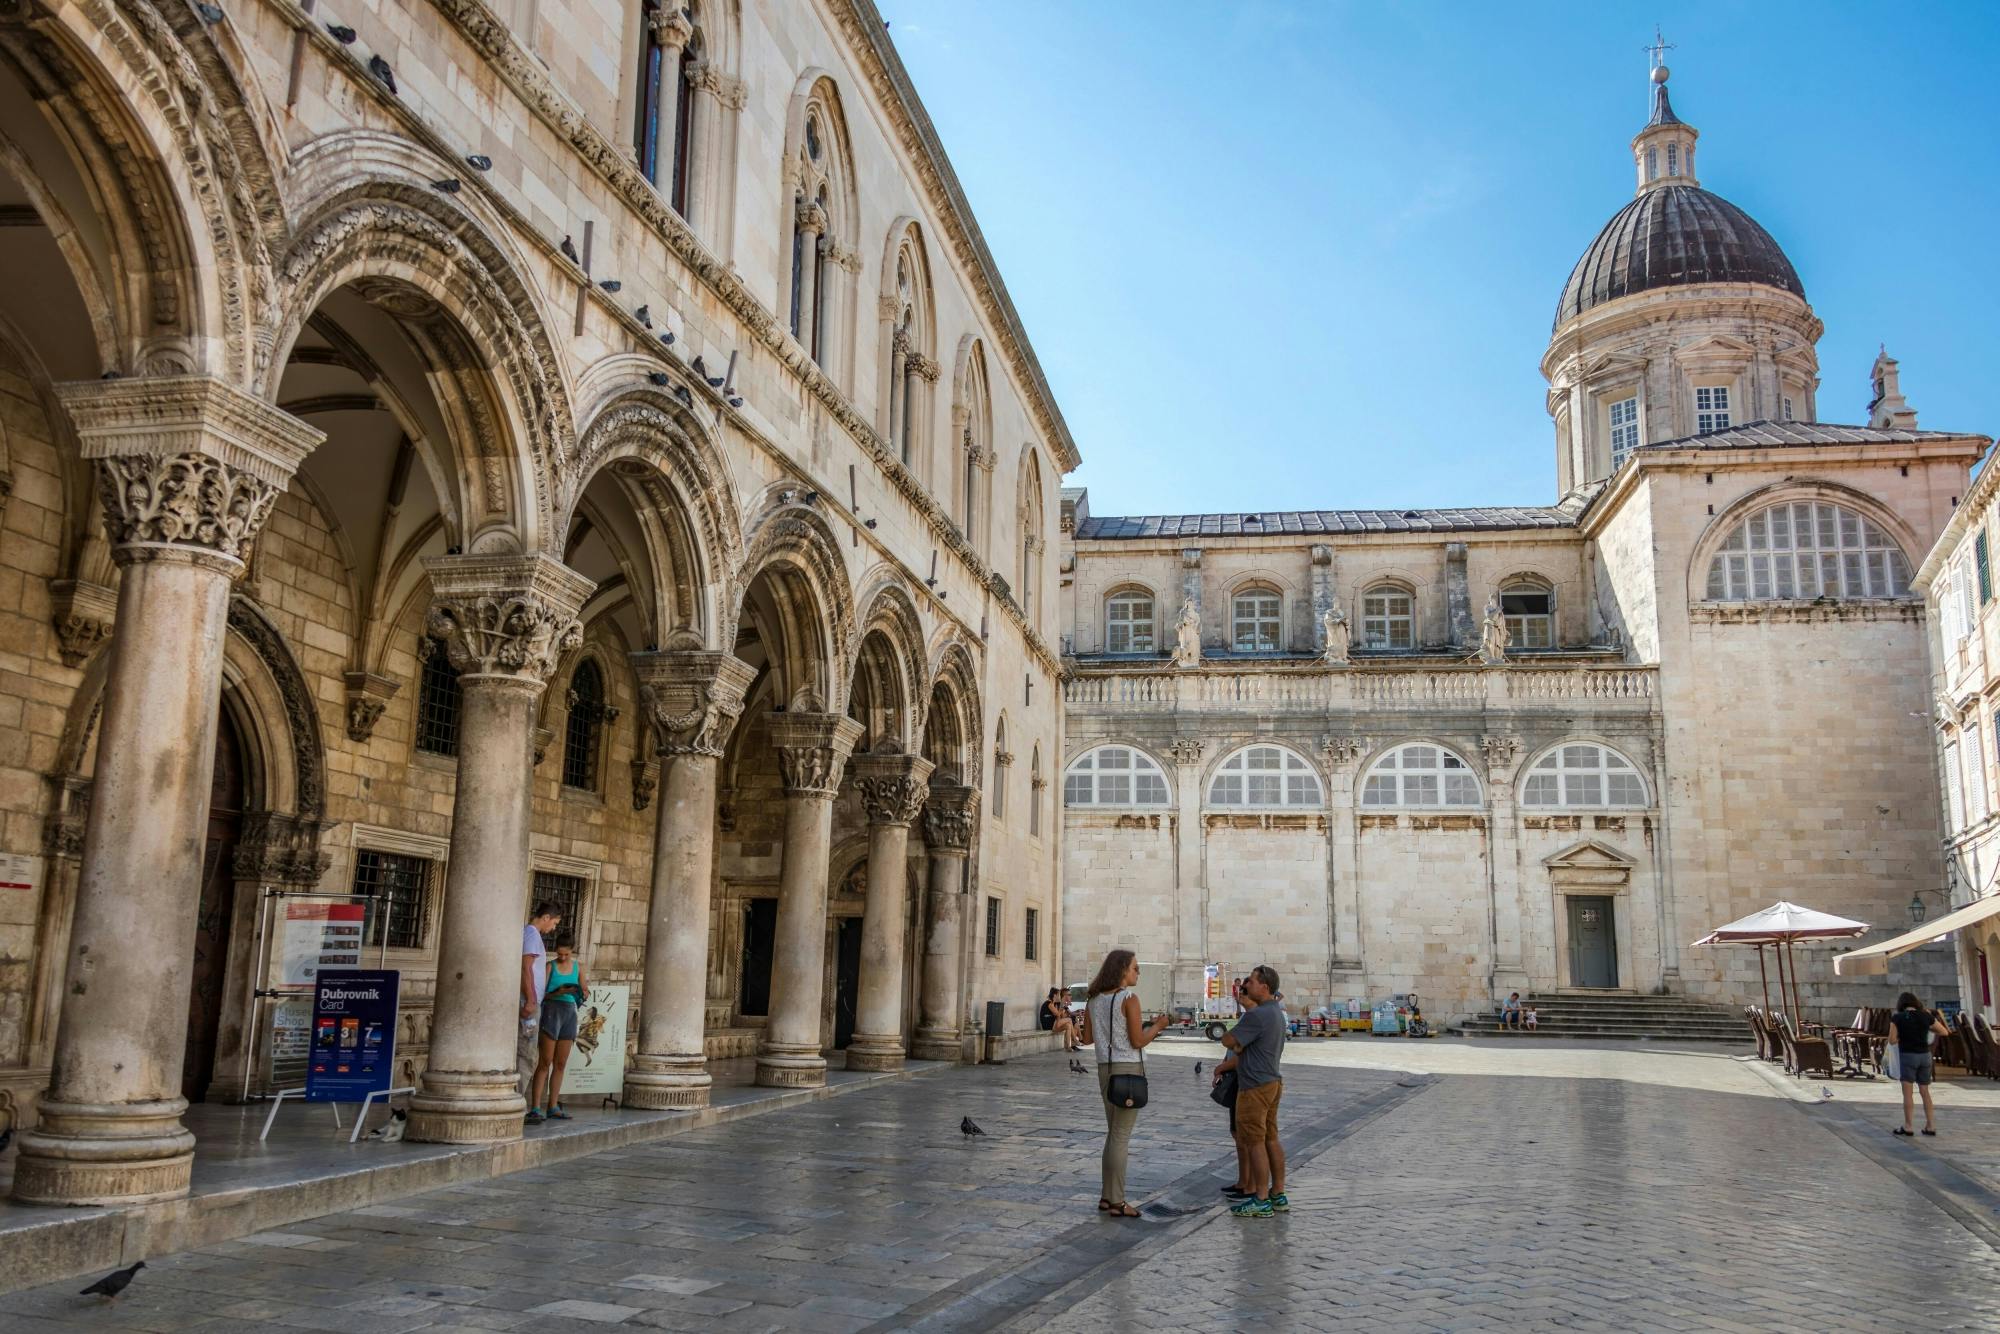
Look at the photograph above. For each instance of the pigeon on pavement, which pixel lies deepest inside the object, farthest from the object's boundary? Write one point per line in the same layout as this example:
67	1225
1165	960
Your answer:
966	1127
113	1283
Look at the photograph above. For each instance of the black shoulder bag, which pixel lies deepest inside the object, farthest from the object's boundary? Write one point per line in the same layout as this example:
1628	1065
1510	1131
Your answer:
1127	1091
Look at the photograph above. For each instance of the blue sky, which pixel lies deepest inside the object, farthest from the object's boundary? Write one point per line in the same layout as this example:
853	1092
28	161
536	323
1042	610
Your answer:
1280	256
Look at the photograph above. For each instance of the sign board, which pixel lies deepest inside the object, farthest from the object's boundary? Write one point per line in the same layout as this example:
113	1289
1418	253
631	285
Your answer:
317	935
18	870
353	1035
597	1065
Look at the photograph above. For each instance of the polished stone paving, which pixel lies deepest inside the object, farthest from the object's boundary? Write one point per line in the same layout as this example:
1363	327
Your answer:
1647	1194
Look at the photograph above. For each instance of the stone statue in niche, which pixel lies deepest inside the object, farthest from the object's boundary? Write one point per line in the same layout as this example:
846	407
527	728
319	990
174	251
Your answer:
1493	635
1336	636
1187	635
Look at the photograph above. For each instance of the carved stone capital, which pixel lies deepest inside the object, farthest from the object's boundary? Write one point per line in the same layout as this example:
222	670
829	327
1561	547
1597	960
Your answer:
920	365
893	786
544	738
367	696
62	831
670	27
948	816
277	849
186	465
505	616
692	697
83	614
811	218
812	751
1500	751
1185	751
1341	751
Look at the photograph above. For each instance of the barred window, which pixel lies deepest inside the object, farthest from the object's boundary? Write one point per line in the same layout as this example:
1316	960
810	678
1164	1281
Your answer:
1421	775
992	928
1264	776
1033	931
566	892
583	733
437	700
1114	776
401	889
1798	551
1388	619
1582	774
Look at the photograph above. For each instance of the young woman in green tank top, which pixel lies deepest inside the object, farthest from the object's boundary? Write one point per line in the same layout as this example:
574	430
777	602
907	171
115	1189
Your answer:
560	998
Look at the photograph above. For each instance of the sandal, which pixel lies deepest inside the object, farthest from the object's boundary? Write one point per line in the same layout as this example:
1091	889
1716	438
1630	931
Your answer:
556	1113
1931	1133
1103	1206
1904	1133
1122	1211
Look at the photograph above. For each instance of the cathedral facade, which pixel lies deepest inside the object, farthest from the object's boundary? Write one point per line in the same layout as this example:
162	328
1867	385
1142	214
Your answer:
1460	753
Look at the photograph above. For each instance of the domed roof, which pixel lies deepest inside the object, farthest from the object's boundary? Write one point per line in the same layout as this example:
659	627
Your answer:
1674	236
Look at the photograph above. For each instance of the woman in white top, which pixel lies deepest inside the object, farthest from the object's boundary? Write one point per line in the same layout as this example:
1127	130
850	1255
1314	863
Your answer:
1112	1023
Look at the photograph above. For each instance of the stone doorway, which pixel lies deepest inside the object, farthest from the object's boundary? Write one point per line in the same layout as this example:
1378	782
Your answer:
1593	942
206	991
846	980
760	933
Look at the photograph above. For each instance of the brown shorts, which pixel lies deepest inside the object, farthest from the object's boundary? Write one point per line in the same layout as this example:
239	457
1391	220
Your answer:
1257	1112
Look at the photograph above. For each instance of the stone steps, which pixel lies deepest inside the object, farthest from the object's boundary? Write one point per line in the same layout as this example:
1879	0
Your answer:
1621	1019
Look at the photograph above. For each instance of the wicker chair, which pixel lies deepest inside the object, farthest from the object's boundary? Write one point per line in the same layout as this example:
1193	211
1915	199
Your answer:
1751	1017
1976	1061
1805	1055
1988	1044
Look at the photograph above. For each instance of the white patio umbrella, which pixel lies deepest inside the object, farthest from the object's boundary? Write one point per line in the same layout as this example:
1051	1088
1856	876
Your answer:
1780	925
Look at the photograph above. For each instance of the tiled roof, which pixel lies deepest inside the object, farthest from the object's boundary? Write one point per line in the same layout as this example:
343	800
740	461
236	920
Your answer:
1331	522
1767	435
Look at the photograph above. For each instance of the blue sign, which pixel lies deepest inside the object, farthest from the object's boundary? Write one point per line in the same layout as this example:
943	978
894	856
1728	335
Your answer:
353	1035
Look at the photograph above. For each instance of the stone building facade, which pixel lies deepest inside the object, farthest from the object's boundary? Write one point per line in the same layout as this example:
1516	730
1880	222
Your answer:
1466	752
470	451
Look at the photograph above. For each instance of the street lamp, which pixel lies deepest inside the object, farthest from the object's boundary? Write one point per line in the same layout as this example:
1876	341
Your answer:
1917	910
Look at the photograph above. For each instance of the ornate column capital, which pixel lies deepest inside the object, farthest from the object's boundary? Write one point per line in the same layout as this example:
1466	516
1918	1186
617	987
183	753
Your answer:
948	814
280	850
505	616
893	785
812	751
670	27
811	217
367	696
1186	751
1341	751
187	466
692	697
1500	752
83	614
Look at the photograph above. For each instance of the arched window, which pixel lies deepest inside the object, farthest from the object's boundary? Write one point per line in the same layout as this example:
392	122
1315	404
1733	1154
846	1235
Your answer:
975	447
1801	550
583	734
1002	761
821	226
1530	609
1421	775
1388	618
670	42
1114	776
437	700
1128	623
1264	776
1673	159
1031	504
1652	164
1035	786
1256	621
909	352
1581	773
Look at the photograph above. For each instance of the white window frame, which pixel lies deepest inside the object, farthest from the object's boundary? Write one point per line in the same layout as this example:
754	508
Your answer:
1529	629
1786	403
1711	408
1762	559
1954	795
1135	639
1423	776
1973	756
1268	611
1266	776
1382	626
1966	581
1622	423
1135	767
1583	775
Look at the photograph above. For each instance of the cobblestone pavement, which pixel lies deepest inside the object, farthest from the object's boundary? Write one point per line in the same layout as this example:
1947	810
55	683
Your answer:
1421	1201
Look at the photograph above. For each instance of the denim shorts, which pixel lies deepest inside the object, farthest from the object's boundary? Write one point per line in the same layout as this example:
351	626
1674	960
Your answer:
1916	1068
559	1021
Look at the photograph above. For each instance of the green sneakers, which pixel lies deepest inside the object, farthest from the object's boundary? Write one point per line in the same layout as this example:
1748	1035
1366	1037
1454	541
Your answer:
1279	1204
1252	1208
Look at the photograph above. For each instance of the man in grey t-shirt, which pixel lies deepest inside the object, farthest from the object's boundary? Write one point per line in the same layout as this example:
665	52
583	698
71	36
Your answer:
1259	1041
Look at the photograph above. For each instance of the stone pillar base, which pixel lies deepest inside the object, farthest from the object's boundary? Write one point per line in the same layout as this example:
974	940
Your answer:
875	1053
659	1083
119	1153
783	1066
938	1045
467	1107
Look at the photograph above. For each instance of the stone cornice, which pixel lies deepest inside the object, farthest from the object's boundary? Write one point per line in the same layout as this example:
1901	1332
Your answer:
1860	609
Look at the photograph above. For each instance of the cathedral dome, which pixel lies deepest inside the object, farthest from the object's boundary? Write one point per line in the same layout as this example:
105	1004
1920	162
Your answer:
1674	236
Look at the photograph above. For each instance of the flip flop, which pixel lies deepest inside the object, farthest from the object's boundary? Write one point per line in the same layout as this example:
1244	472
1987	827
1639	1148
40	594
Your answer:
1904	1133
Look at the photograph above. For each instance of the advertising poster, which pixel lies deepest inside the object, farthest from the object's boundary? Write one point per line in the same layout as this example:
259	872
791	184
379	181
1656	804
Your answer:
319	935
353	1035
597	1066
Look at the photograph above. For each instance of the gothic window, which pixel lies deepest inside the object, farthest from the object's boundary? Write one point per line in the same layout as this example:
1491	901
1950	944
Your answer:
1264	776
1583	774
1114	776
583	733
1128	623
401	889
1423	776
437	701
821	226
669	49
1624	430
1031	503
1388	618
1530	610
1255	621
975	446
1801	550
909	351
1711	408
1001	761
1035	793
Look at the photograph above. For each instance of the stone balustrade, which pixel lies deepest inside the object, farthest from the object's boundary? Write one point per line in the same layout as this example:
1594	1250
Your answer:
1315	689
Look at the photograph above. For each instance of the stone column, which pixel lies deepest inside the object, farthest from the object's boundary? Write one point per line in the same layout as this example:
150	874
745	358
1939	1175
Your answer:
1190	977
899	353
671	30
693	698
812	751
892	792
188	469
812	227
1343	861
948	816
505	621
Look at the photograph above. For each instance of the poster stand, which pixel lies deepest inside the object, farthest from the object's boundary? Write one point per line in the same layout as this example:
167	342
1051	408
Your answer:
262	1001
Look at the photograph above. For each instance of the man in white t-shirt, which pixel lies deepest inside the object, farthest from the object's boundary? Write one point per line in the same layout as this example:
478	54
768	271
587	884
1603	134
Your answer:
534	977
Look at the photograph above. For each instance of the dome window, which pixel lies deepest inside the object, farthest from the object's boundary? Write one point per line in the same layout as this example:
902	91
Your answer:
1673	159
1711	408
1624	430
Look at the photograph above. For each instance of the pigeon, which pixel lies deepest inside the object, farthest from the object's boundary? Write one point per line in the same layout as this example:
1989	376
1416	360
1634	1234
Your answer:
380	69
611	284
667	337
341	33
644	315
449	185
392	1131
1825	1093
568	248
1076	1067
479	162
210	13
1197	1069
113	1283
966	1127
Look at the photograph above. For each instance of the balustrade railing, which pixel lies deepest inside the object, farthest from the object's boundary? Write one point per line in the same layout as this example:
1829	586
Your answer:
1317	691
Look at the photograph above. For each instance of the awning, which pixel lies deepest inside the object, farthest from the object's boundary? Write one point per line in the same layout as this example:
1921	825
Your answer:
1874	960
1785	922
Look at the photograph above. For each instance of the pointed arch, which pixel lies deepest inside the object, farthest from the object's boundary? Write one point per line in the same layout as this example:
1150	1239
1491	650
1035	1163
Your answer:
1030	503
890	693
793	595
907	353
971	445
953	730
819	223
